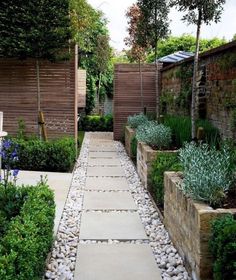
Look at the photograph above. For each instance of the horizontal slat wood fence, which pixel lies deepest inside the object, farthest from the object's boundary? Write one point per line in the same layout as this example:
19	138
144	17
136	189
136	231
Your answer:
18	95
127	93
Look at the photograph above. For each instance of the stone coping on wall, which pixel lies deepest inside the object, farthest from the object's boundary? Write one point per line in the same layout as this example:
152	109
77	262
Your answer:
189	226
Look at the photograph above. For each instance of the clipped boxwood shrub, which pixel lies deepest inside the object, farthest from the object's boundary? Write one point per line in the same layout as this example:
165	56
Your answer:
223	248
208	173
136	120
29	235
96	123
56	155
158	136
163	162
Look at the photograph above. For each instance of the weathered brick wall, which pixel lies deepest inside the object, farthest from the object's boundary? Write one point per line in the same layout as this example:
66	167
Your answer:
129	134
217	88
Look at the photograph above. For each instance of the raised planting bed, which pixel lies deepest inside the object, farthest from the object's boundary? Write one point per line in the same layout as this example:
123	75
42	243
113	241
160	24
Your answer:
129	134
145	157
189	225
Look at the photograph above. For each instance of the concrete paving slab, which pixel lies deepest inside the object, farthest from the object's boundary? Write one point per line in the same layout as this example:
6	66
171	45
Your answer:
113	171
103	155
116	262
107	183
102	148
108	201
58	182
104	161
111	225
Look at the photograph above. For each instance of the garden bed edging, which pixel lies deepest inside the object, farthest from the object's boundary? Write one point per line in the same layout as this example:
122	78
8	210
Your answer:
189	225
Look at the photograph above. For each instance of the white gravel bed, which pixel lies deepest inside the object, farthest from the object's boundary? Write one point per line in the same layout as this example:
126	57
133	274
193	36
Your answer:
61	264
167	257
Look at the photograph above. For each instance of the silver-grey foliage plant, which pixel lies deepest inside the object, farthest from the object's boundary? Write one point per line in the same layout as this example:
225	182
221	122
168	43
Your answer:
154	134
208	173
136	120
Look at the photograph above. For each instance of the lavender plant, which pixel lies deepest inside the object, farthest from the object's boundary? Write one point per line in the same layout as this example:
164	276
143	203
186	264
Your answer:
156	135
9	155
136	120
208	173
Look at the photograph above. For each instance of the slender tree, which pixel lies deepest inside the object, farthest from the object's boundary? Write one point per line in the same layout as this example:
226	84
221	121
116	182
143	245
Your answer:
153	25
137	53
198	12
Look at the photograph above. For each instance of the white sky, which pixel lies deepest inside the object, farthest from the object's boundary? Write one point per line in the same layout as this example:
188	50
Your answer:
115	10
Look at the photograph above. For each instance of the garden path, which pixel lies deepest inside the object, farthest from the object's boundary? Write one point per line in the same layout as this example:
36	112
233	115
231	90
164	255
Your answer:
110	228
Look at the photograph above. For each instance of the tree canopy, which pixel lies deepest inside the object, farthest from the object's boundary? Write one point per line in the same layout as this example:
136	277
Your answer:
185	42
33	28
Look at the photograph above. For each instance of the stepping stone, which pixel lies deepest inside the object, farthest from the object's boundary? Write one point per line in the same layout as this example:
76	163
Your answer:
108	201
104	161
103	155
102	148
107	171
116	262
111	225
107	184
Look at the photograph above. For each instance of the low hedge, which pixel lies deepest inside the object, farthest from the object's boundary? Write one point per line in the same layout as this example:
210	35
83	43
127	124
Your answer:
96	123
29	235
55	155
164	162
223	248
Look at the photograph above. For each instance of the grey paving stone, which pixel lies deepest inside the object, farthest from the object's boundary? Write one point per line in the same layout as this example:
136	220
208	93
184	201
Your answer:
103	155
104	161
106	183
108	201
107	171
103	148
111	225
116	262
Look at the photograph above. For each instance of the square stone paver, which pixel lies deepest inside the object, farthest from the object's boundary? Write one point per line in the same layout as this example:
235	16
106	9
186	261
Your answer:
115	171
102	148
111	225
103	155
107	184
108	201
104	161
116	262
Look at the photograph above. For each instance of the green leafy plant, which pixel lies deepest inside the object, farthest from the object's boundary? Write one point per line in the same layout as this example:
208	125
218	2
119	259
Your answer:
136	120
56	155
97	123
164	162
208	173
181	130
155	135
223	248
29	235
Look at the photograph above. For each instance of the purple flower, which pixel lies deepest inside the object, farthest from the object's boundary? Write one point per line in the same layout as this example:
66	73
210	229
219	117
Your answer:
7	144
15	172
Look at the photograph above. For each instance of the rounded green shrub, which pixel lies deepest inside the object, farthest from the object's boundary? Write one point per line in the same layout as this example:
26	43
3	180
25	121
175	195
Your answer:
136	120
158	136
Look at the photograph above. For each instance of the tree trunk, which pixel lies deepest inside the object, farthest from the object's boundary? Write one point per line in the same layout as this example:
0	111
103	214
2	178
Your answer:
38	96
141	85
194	81
156	69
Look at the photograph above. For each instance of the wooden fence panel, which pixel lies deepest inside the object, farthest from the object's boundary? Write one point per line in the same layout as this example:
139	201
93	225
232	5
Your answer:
127	93
18	95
